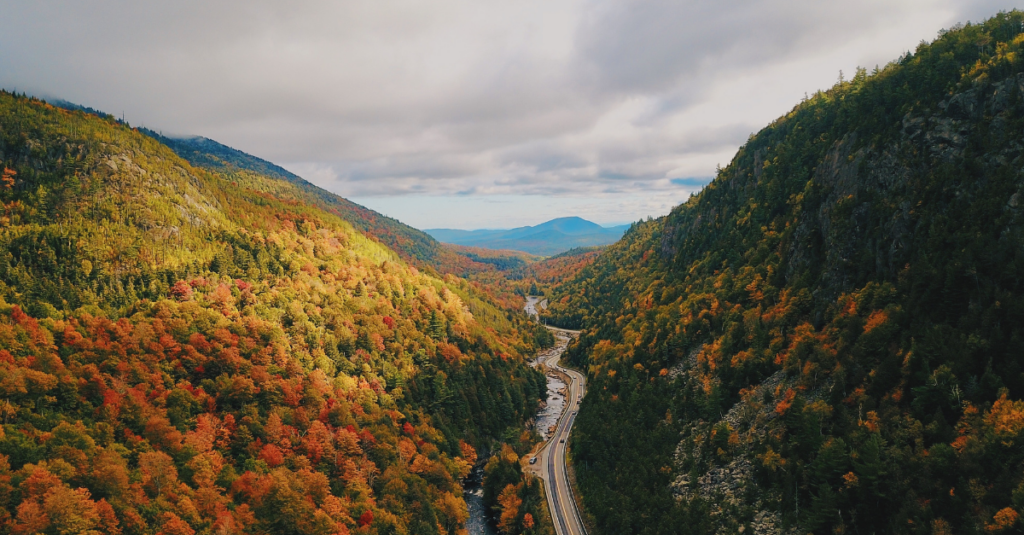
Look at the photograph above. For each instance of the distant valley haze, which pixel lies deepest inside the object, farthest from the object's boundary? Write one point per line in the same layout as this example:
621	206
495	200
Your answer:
467	115
549	238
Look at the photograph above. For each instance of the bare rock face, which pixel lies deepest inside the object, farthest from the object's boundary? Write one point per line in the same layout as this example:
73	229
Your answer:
855	179
853	182
668	242
728	483
727	479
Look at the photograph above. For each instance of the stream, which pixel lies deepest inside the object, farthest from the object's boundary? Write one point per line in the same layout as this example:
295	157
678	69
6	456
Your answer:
478	523
547	418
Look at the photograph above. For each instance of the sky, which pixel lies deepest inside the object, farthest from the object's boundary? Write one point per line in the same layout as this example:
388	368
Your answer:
467	113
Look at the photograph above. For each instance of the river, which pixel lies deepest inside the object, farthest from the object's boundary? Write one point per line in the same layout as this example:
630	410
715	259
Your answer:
532	302
478	523
547	417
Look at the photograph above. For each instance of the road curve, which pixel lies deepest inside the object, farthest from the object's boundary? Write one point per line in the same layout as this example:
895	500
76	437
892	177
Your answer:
551	459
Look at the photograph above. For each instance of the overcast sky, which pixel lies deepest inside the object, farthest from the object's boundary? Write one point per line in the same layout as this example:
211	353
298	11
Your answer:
467	114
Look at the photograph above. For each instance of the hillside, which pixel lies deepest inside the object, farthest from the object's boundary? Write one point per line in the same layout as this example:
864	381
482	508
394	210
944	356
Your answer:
512	275
554	270
197	350
501	259
826	339
550	238
260	175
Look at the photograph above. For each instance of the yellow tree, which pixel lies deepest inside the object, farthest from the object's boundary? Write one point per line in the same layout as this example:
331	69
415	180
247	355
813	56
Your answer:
454	511
509	501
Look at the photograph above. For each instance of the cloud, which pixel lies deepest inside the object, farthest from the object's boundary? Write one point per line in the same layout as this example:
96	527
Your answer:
573	99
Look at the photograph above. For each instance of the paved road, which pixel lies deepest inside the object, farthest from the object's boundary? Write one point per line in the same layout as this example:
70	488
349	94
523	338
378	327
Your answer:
551	459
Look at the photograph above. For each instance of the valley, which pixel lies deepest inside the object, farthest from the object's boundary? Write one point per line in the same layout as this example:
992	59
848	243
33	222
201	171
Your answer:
825	339
552	458
546	239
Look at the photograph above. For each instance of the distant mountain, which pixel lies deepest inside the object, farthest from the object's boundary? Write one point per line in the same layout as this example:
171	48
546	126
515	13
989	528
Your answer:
553	237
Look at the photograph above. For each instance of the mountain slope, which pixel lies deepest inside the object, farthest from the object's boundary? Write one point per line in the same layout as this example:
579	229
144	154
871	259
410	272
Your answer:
261	175
828	337
184	351
207	153
552	237
487	269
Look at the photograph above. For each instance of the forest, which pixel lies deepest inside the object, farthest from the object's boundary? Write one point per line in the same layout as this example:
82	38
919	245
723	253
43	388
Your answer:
827	338
192	350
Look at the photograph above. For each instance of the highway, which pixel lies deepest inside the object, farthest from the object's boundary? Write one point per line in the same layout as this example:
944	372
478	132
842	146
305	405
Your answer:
551	459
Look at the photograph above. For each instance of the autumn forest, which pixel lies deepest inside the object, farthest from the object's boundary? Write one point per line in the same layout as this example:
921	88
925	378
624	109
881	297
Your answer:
828	338
191	349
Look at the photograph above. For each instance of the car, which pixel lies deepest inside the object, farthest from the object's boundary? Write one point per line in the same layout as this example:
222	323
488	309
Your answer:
561	441
533	460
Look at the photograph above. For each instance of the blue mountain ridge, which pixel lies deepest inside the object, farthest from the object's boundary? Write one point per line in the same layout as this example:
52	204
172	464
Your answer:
549	238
